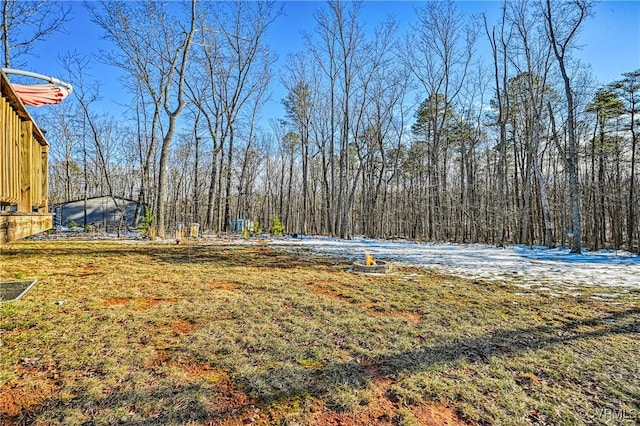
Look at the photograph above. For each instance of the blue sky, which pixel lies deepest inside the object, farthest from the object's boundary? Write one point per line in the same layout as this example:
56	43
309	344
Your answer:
610	40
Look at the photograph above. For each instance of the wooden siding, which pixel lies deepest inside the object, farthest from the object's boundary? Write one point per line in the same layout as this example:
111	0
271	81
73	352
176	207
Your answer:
23	163
24	166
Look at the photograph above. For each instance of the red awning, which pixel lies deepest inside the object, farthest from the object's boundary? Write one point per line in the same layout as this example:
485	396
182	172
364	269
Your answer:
40	94
52	92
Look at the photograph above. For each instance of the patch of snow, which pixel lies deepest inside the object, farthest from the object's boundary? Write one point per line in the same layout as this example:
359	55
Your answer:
529	266
611	296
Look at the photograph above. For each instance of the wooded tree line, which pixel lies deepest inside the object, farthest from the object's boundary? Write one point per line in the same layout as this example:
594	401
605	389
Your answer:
385	134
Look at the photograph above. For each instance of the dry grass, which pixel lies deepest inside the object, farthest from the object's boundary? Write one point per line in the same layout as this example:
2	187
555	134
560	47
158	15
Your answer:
222	334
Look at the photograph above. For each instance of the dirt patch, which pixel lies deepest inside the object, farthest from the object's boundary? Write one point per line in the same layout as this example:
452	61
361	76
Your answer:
198	370
148	302
177	327
223	285
233	407
380	411
436	415
353	419
86	271
114	301
329	293
24	396
183	327
384	415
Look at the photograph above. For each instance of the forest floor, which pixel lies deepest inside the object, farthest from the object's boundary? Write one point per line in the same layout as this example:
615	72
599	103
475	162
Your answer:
147	333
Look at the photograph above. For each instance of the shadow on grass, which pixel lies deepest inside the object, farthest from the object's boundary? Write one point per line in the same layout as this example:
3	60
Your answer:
279	384
227	255
162	406
201	403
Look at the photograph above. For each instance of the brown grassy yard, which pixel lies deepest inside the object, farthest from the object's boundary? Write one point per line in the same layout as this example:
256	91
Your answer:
143	333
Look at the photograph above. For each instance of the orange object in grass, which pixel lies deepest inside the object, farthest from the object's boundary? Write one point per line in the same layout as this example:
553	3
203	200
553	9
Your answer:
369	260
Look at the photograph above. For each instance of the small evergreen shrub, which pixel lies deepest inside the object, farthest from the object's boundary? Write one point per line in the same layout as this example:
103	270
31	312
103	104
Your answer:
277	229
147	221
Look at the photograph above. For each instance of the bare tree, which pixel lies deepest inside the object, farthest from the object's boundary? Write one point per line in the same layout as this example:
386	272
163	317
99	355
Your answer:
204	91
65	164
154	49
500	72
534	71
439	57
321	46
27	22
99	128
232	75
563	20
299	107
628	89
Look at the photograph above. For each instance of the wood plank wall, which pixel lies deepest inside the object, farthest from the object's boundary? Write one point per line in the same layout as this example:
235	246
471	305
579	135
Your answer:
23	157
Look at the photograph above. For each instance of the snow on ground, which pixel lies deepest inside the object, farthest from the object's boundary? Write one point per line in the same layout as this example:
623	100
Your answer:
554	270
528	267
